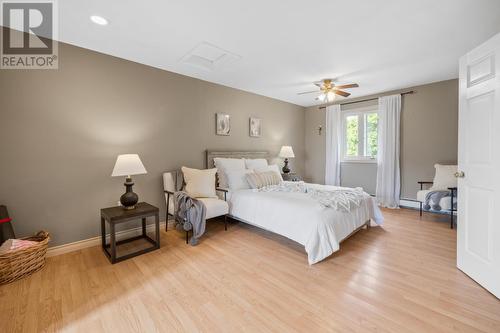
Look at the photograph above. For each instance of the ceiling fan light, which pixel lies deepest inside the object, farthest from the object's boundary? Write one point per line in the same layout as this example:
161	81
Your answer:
330	96
99	20
322	97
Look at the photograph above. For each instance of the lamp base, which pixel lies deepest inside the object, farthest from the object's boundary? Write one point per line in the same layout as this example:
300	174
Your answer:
129	198
286	169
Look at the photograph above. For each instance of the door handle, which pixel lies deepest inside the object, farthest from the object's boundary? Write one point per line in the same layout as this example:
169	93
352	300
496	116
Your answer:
459	174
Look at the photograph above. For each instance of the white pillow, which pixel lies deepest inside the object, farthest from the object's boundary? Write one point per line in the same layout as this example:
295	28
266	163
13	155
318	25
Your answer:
445	177
237	179
255	163
261	179
200	183
225	164
272	167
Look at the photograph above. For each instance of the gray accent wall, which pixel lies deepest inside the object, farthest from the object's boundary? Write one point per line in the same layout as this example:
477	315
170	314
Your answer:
429	135
359	175
61	130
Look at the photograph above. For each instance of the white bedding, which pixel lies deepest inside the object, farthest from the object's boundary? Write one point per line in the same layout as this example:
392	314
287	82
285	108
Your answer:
299	217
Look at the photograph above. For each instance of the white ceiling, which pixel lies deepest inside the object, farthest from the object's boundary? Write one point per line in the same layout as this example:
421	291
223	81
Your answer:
286	45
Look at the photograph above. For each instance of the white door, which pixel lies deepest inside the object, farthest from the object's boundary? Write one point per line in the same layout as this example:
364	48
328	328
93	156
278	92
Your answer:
478	246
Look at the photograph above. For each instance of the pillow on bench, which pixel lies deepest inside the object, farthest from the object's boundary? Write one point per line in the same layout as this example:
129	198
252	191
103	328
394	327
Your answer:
444	177
200	183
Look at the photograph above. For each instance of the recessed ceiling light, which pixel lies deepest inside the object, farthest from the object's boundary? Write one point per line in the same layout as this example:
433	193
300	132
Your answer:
98	20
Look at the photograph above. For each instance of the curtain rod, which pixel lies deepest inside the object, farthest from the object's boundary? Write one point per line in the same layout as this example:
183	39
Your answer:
369	99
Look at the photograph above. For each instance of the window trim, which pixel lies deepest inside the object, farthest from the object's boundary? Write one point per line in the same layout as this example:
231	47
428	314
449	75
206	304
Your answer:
361	111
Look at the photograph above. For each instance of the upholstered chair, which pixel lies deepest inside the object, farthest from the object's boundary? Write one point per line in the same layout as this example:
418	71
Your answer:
444	180
215	207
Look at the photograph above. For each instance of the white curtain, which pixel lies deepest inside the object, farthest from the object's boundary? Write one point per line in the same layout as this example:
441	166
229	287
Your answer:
388	174
333	132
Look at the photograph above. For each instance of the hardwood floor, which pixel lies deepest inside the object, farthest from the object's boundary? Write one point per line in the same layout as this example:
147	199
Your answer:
397	278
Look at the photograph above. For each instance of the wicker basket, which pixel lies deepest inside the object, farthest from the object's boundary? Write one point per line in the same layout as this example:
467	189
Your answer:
18	264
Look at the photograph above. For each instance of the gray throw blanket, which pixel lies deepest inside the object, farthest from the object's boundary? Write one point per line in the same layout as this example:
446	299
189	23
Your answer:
433	198
189	214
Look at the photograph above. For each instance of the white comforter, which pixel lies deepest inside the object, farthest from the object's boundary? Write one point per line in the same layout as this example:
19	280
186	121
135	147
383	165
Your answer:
299	217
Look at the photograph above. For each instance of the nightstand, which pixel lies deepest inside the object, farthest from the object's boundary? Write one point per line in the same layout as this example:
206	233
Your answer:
291	177
117	215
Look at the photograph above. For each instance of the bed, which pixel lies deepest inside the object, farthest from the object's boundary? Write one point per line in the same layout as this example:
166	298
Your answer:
296	215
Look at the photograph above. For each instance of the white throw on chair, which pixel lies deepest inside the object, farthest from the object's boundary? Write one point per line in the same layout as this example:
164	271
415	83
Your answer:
173	182
444	180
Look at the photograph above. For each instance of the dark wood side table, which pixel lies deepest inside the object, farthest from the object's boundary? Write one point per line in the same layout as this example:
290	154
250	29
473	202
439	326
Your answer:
117	215
291	176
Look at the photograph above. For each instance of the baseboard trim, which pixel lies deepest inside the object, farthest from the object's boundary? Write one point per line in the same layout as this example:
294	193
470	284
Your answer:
414	204
409	203
94	241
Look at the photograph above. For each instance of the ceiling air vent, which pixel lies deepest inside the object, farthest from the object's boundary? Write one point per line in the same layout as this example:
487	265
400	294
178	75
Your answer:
208	57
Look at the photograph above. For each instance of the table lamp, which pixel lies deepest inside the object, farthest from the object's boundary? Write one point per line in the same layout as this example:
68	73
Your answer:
127	165
286	152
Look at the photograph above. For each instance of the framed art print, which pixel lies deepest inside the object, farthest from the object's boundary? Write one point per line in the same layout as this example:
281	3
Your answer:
255	127
223	124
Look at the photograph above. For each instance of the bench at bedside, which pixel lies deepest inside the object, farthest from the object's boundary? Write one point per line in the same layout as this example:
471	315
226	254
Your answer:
421	198
215	207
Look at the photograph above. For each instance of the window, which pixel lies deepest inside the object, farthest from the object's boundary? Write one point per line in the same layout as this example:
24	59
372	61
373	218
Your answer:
360	135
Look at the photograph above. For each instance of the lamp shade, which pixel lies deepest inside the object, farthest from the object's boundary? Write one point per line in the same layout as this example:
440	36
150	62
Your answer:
286	152
127	165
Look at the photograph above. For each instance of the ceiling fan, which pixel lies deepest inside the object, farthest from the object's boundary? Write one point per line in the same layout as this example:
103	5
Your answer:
328	90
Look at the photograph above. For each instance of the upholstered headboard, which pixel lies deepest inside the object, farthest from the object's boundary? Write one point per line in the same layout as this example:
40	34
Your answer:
211	154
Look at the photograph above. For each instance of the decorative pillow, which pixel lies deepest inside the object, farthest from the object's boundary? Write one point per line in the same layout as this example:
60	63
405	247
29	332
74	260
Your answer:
200	183
255	163
261	179
225	164
272	167
445	177
237	179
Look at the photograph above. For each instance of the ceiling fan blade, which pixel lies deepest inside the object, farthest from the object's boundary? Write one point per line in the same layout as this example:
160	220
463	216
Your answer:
352	85
308	92
341	93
